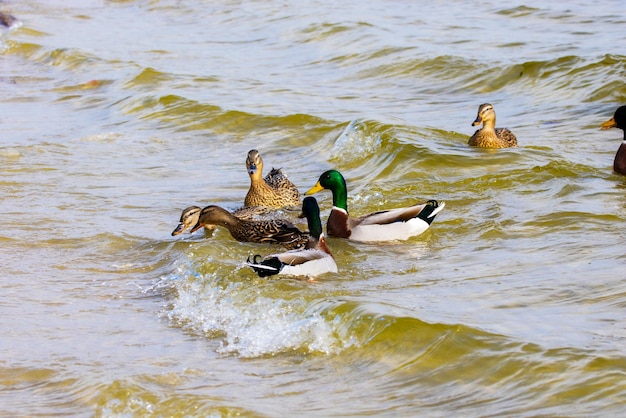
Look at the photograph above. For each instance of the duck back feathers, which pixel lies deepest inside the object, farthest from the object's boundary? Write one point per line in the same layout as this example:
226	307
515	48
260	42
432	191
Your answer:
274	231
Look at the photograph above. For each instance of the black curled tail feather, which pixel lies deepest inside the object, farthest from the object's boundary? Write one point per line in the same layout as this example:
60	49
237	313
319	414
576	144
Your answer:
265	267
425	214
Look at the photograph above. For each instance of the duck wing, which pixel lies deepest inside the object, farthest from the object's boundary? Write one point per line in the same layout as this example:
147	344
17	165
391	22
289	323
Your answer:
310	263
506	135
395	224
253	212
274	264
390	216
294	258
276	178
278	181
277	232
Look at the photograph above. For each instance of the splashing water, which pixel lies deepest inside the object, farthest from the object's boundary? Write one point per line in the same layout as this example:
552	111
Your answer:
357	141
249	323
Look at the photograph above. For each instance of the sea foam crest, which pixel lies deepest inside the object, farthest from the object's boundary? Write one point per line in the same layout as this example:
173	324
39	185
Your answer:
248	323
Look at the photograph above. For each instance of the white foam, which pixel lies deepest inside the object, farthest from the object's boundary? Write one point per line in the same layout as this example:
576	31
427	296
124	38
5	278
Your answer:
248	323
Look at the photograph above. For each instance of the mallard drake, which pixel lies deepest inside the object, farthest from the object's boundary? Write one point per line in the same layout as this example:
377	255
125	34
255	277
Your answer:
489	136
275	191
275	231
618	121
386	225
190	215
313	260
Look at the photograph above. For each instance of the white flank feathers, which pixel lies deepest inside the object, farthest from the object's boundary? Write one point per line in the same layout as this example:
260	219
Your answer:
389	232
369	231
324	263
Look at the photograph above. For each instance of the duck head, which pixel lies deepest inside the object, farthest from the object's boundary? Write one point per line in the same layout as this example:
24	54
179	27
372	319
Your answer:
188	218
254	163
485	115
617	121
332	180
213	215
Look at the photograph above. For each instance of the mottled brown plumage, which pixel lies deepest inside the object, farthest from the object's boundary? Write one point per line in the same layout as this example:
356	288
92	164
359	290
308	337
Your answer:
276	231
275	191
189	217
489	136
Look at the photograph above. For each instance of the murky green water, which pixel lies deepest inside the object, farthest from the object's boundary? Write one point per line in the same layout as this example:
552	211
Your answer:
118	114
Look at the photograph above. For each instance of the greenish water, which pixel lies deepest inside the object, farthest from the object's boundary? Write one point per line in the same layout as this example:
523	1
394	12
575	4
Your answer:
116	115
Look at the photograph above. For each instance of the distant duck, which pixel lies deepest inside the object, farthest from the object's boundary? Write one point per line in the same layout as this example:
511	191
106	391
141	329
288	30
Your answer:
276	231
275	191
618	121
311	261
489	136
386	225
190	215
7	20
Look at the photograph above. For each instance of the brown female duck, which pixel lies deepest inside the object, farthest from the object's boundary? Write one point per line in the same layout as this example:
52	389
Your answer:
275	191
618	121
275	231
190	215
489	136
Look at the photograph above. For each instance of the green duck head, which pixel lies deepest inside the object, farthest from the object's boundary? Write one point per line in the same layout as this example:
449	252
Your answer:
333	181
311	211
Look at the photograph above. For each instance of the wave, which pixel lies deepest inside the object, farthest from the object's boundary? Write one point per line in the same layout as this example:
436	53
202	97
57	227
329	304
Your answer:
404	354
254	318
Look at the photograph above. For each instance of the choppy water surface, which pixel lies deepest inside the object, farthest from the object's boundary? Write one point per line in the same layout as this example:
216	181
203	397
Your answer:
118	114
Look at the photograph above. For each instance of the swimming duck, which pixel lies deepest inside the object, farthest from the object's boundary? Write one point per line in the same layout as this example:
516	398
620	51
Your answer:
489	136
7	20
618	121
275	191
313	260
275	231
386	225
190	215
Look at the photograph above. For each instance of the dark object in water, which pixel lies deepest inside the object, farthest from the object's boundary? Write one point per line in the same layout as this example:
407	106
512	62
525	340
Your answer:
7	20
618	121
